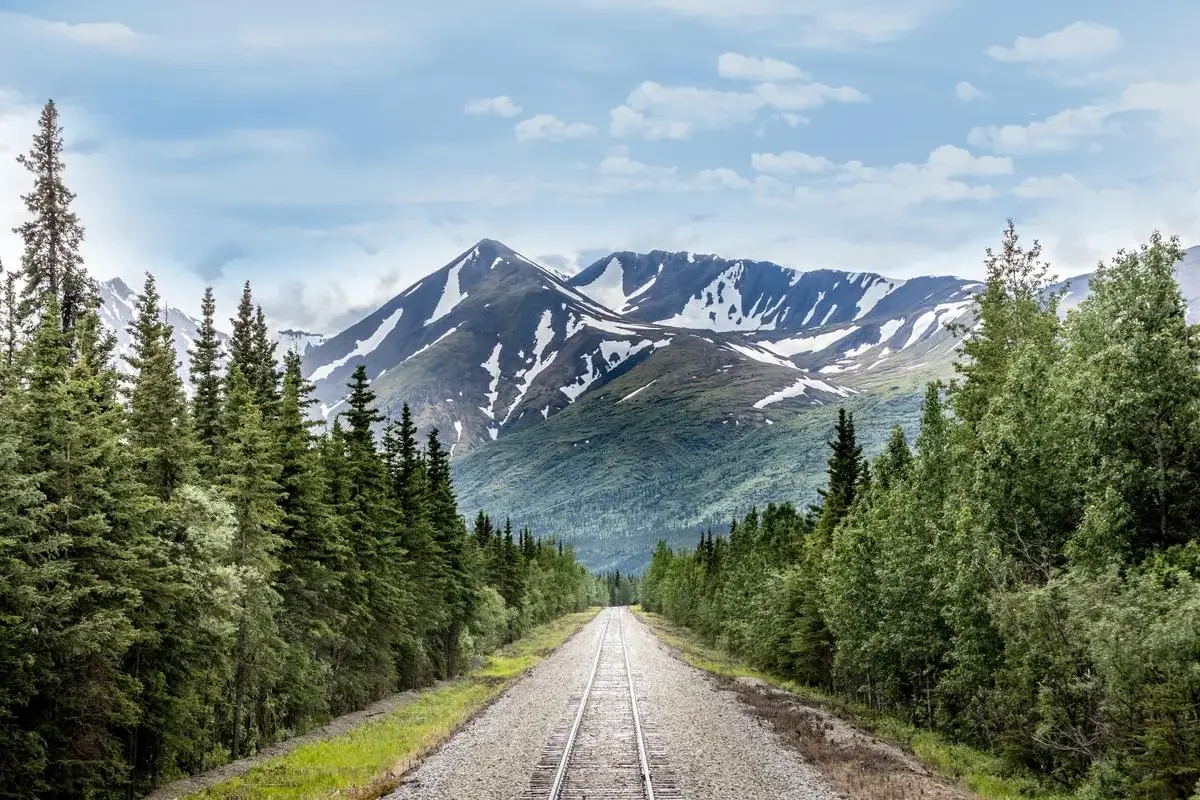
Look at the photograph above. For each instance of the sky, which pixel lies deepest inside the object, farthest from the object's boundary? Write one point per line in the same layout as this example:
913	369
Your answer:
333	153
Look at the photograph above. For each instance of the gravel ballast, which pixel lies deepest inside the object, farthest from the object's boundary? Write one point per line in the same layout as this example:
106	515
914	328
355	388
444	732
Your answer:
709	742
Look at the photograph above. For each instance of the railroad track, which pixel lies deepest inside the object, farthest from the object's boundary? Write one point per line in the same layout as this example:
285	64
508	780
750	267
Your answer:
606	750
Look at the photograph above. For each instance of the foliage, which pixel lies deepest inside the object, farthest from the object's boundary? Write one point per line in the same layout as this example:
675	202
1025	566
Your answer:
1026	581
183	582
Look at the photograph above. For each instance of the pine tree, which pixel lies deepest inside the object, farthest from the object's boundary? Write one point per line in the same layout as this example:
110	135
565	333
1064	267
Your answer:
242	350
379	599
206	385
893	463
159	430
248	479
10	328
845	472
51	264
94	532
457	588
266	365
313	555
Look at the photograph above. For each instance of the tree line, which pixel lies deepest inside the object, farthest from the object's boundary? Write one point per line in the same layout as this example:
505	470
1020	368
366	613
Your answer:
184	579
1026	578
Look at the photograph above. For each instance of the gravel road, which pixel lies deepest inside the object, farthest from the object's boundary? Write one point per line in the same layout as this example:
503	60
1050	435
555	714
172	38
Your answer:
705	739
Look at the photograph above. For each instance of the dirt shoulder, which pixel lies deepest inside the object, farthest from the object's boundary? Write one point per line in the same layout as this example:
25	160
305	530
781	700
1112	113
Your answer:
855	763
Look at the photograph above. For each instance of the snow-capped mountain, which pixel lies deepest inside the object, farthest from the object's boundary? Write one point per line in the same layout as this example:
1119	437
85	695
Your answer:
494	343
117	312
828	321
301	341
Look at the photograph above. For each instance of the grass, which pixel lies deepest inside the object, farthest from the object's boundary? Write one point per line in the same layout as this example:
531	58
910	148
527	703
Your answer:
980	772
371	759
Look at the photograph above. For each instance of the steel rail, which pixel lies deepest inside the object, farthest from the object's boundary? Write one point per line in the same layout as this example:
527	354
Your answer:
556	786
637	720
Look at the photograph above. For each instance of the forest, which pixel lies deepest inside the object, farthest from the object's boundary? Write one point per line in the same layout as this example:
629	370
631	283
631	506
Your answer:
1025	576
188	576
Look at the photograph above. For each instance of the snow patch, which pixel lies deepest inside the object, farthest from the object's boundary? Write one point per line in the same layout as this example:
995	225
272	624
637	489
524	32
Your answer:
635	392
761	355
492	365
808	344
875	292
799	388
361	349
813	310
542	337
431	344
452	293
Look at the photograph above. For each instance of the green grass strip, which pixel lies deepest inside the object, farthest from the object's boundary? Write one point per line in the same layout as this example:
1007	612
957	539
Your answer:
369	761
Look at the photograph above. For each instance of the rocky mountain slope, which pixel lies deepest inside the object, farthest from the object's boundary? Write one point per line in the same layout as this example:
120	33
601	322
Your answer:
610	406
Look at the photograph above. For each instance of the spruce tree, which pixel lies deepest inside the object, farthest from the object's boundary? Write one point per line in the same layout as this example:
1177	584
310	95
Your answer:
266	365
248	479
313	554
94	531
10	330
892	464
159	430
50	263
457	588
845	473
206	387
243	352
380	602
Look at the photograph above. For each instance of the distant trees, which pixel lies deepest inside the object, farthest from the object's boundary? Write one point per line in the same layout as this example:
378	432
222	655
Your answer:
1027	577
185	580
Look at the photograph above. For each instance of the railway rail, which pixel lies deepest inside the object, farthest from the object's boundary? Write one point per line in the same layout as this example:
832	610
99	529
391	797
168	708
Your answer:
606	751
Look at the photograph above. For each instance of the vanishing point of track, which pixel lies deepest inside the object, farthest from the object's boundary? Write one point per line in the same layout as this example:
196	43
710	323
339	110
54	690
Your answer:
602	754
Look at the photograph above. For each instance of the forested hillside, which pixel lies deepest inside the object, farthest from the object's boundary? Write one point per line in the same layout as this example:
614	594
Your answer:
1026	578
185	580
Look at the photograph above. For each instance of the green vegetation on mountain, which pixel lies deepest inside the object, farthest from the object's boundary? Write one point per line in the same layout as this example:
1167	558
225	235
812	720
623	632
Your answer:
185	581
1025	579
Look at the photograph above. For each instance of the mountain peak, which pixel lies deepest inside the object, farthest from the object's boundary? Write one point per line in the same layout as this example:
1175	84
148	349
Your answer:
119	288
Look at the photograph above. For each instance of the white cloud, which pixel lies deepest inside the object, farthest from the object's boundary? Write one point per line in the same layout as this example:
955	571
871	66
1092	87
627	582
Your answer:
1058	132
794	120
1048	187
749	68
620	164
721	178
104	34
1079	41
654	111
788	162
966	92
811	23
502	106
548	126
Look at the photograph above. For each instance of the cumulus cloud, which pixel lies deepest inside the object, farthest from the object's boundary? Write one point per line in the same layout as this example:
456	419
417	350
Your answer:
789	162
794	120
1079	41
548	126
721	178
654	111
966	92
1058	132
735	66
103	34
502	106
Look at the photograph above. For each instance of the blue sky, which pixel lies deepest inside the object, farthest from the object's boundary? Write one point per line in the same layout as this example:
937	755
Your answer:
334	152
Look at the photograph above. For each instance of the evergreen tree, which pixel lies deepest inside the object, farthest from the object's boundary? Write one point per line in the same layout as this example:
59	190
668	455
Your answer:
893	463
206	386
159	430
458	587
313	554
51	264
10	331
266	365
243	352
248	478
91	534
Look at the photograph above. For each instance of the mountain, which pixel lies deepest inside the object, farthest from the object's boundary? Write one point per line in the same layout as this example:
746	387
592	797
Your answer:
829	321
647	391
117	312
494	343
